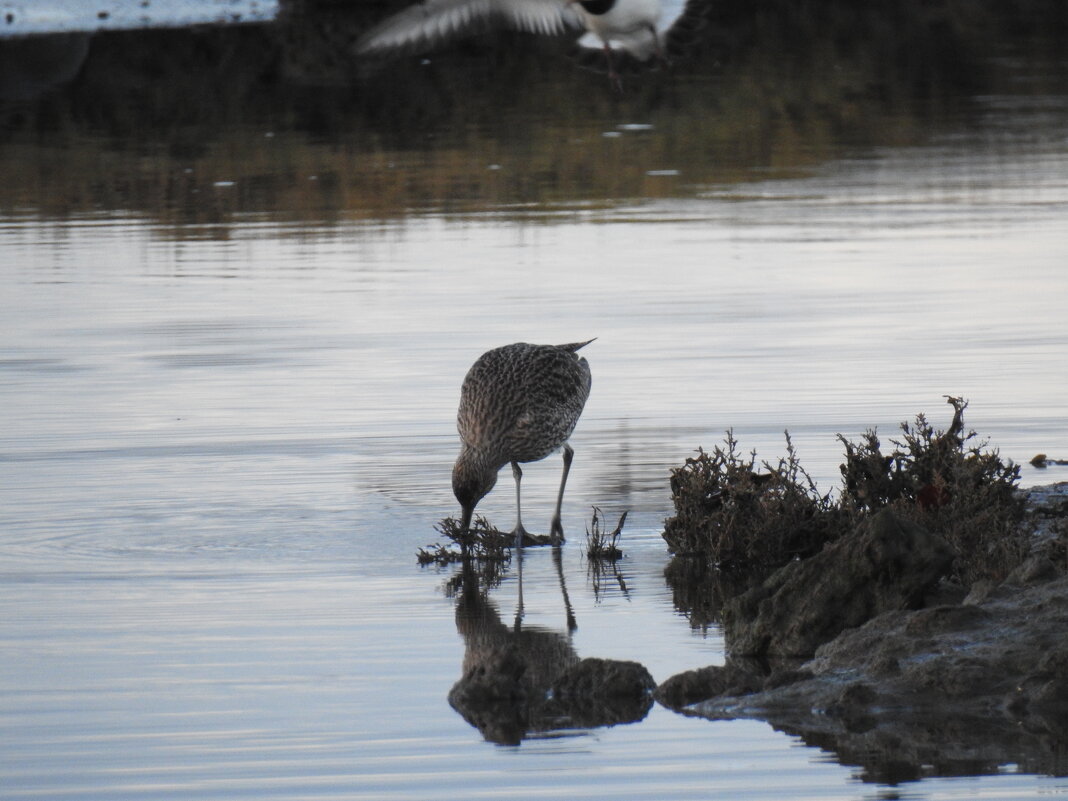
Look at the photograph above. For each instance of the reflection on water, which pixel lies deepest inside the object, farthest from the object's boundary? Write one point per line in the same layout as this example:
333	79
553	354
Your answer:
508	670
521	681
244	275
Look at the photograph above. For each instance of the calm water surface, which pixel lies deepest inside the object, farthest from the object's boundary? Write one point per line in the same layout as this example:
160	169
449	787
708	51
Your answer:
222	443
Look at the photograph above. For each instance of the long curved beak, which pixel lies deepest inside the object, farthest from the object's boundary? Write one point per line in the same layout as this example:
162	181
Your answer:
465	530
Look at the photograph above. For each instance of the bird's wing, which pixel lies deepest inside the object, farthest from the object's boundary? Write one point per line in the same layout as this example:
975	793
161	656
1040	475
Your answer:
539	16
432	22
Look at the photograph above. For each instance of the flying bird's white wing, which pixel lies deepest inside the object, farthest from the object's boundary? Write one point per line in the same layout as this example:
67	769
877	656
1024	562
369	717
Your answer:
431	22
547	17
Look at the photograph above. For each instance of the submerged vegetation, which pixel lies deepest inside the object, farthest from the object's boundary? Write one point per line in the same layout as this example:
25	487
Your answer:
748	519
484	544
481	543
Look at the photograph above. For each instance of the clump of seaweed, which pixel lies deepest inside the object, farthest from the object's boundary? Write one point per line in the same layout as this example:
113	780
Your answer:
948	482
746	520
481	543
600	543
1041	461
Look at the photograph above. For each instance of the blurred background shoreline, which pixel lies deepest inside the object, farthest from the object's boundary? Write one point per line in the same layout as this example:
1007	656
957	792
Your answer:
279	119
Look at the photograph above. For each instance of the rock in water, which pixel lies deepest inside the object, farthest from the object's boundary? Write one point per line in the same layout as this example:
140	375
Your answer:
887	564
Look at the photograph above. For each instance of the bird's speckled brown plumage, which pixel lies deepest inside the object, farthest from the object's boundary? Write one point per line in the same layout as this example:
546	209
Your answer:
518	403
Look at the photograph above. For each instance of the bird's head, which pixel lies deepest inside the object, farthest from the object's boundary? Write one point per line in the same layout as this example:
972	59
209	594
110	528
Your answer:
595	7
472	479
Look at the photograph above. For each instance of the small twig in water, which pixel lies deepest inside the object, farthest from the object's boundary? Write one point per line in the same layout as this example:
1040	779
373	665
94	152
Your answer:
602	545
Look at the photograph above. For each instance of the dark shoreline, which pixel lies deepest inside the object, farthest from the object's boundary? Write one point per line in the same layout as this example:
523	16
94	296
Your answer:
954	688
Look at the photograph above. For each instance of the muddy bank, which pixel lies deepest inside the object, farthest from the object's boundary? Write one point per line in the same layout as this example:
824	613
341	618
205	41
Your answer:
888	563
932	688
959	689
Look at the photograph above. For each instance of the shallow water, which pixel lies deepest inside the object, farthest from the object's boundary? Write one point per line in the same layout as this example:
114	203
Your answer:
227	414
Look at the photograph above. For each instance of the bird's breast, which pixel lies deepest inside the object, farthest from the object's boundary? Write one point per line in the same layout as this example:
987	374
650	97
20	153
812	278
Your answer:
629	24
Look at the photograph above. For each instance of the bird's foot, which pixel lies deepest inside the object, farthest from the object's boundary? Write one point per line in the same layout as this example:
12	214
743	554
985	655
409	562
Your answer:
524	539
556	532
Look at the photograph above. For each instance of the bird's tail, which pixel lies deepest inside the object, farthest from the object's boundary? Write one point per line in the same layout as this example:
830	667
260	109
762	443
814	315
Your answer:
574	346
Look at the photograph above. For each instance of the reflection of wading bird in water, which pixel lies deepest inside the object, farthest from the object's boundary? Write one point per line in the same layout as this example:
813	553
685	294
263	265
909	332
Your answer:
522	681
638	28
518	404
508	670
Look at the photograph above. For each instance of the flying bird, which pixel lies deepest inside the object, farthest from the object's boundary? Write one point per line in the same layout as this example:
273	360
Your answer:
518	403
637	28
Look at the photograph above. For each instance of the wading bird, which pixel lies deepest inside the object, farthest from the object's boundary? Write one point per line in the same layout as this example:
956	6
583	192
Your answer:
518	403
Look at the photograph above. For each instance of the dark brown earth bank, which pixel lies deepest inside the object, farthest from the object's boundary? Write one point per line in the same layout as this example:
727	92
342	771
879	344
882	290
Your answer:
901	676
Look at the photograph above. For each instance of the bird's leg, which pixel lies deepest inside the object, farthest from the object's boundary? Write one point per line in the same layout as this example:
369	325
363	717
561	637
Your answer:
558	561
613	76
520	610
519	531
665	62
556	530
